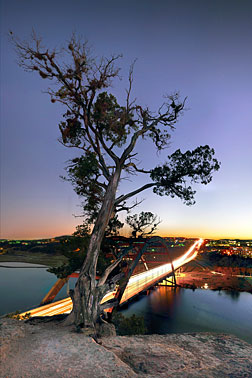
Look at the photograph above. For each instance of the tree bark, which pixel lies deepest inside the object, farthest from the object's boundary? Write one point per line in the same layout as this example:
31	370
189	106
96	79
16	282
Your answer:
87	294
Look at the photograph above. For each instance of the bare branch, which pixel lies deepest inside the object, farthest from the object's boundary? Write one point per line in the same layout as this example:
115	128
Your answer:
123	206
123	198
99	154
128	91
111	267
133	165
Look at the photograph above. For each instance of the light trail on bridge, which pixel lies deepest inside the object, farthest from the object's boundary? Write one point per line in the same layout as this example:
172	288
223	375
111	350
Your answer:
143	281
137	283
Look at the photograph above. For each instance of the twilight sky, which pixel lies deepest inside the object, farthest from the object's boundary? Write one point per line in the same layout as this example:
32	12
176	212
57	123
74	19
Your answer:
200	47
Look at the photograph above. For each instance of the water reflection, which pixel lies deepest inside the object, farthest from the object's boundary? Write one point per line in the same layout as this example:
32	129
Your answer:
167	310
23	286
233	294
165	301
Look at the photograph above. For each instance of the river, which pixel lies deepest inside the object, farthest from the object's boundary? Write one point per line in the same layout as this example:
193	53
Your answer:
23	286
165	310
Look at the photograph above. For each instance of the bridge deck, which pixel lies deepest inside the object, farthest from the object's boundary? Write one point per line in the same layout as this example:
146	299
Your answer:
137	283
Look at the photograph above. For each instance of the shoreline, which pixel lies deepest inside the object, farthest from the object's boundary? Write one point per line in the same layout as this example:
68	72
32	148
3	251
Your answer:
192	279
215	281
35	258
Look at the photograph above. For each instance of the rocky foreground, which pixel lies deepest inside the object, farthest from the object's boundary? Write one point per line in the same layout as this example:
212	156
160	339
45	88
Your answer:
50	350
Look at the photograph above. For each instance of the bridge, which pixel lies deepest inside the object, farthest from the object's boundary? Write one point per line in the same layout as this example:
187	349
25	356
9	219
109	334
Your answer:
135	284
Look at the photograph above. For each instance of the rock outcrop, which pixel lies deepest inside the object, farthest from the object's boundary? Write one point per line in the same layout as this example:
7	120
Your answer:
51	350
184	355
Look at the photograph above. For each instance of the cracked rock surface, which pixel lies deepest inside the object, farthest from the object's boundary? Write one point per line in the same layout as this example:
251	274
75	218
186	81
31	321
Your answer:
51	350
184	355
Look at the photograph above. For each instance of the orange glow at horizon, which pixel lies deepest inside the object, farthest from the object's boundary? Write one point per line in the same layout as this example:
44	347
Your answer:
24	232
51	232
40	227
205	233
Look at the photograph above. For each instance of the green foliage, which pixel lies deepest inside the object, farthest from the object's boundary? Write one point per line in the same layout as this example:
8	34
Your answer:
82	231
193	166
83	170
75	261
71	130
111	119
83	173
113	226
133	325
13	315
74	248
16	315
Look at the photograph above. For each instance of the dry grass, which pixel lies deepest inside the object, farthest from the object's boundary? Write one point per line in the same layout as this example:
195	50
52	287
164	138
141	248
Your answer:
33	258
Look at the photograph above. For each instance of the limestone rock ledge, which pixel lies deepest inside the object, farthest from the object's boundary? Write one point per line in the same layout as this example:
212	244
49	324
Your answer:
184	355
50	350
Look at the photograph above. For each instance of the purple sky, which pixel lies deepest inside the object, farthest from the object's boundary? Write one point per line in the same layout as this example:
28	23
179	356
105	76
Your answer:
201	48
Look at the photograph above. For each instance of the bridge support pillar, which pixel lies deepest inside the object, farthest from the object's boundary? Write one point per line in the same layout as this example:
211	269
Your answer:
54	290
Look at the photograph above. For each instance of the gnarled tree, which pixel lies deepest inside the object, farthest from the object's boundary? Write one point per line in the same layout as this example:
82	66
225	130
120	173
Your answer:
105	133
143	224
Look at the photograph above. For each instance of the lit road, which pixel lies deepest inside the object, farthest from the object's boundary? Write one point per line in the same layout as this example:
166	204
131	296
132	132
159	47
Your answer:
136	284
143	281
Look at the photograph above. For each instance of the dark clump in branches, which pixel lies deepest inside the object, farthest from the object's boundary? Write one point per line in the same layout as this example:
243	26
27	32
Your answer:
143	224
105	134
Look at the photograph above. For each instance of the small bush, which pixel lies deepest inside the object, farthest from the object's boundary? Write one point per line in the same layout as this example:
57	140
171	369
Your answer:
133	325
13	315
16	315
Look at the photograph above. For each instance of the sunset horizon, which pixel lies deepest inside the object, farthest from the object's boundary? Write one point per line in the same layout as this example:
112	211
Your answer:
184	234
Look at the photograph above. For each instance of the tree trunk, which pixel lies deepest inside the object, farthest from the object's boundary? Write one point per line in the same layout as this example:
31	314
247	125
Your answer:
87	295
